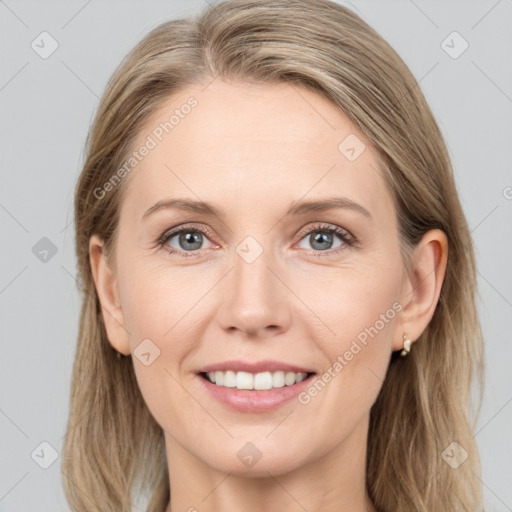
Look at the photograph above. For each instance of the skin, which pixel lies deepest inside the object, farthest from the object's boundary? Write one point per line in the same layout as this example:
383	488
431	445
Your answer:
254	150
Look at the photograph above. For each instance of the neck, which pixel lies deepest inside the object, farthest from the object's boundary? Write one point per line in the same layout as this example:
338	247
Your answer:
333	482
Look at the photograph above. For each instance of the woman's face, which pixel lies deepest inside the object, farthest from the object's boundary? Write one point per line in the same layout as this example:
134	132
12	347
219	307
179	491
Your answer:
254	282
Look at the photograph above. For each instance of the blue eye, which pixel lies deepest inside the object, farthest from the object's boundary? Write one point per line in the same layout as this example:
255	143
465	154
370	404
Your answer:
324	243
189	240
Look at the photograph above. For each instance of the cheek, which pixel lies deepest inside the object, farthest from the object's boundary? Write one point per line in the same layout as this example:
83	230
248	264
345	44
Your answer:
158	303
157	307
353	304
158	312
357	358
359	309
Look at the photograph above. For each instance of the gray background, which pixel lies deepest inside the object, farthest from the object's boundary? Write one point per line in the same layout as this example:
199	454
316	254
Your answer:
47	106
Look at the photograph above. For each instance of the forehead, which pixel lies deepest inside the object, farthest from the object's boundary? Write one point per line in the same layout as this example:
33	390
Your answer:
253	144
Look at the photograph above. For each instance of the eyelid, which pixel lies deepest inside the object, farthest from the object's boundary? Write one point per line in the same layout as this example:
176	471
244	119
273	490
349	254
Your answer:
170	233
328	227
347	238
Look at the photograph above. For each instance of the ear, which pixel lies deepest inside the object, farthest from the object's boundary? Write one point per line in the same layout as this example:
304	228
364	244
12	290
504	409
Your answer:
106	287
422	286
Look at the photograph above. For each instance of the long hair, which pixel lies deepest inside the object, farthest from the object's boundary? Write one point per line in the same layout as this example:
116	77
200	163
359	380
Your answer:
113	447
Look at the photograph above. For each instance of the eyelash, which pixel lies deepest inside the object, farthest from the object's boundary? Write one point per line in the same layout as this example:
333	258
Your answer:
347	238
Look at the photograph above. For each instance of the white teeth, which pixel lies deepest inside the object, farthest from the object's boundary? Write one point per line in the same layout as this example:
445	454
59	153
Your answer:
278	379
289	378
301	377
244	380
229	379
263	381
259	381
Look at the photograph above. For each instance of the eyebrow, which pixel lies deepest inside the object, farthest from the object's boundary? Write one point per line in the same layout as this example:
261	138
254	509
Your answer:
299	208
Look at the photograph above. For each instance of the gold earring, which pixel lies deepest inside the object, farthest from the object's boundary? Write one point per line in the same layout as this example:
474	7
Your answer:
407	346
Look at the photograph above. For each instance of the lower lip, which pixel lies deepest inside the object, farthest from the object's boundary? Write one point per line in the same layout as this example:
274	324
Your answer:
249	400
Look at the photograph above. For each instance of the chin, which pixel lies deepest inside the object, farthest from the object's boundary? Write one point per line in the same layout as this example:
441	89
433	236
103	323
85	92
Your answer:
250	461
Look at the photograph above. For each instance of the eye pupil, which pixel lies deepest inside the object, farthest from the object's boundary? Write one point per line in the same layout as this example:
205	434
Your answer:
320	237
191	240
191	237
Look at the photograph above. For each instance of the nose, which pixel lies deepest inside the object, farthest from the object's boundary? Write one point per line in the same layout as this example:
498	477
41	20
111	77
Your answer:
255	301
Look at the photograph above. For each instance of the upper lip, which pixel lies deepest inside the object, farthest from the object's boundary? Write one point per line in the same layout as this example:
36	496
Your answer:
255	367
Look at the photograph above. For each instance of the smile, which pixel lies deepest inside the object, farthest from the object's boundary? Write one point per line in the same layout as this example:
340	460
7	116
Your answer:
259	381
247	392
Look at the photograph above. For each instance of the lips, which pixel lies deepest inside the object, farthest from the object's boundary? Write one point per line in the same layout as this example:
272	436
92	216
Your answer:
252	401
254	367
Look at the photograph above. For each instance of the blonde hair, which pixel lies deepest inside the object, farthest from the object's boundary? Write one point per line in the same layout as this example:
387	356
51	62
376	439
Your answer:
114	447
